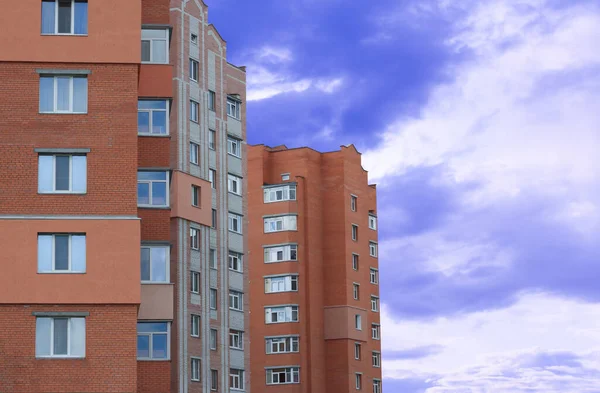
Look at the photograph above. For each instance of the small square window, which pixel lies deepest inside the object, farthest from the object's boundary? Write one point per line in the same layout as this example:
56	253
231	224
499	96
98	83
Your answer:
194	38
285	176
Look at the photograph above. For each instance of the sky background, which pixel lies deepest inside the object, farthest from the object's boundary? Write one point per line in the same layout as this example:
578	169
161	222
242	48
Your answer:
479	121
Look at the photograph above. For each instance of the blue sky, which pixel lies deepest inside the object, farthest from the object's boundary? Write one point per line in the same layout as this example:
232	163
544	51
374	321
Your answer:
478	120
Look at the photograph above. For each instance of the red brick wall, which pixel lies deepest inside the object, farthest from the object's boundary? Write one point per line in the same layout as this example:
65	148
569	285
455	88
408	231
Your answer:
108	129
153	151
110	360
155	12
155	224
153	377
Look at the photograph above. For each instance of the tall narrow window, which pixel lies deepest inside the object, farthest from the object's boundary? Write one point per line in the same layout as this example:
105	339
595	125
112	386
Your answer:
63	94
62	174
354	232
372	222
65	17
195	282
194	238
213	339
233	108
353	202
357	351
211	100
212	258
212	178
195	331
61	253
60	337
213	299
376	386
358	322
375	331
214	219
374	276
373	249
358	378
214	380
155	46
152	117
374	303
195	374
211	139
355	261
194	153
194	70
355	291
196	196
194	111
376	359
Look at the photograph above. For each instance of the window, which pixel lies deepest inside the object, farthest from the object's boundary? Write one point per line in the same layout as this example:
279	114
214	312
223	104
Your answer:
376	359
155	263
211	100
212	178
65	17
194	153
194	38
235	301
153	340
62	174
280	376
195	325
281	314
213	339
235	261
152	189
375	331
358	377
281	253
355	289
233	108
214	379
195	374
281	223
194	111
374	276
236	339
195	196
214	219
152	117
213	299
373	249
281	284
285	176
376	386
211	139
60	337
358	322
372	222
236	379
357	351
354	232
194	70
61	253
234	147
355	261
280	193
282	344
235	222
353	202
63	94
194	238
212	256
195	282
374	303
234	184
155	46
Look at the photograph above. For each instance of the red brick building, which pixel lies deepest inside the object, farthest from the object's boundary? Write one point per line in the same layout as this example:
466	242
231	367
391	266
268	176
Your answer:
122	166
314	291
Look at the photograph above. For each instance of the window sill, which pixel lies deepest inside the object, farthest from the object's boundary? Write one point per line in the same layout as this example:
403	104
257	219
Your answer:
156	283
63	35
154	135
236	271
287	260
154	207
234	118
63	113
153	360
60	357
154	63
60	272
61	193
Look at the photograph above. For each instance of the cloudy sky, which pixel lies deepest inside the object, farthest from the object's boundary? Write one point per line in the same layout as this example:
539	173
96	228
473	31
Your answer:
479	121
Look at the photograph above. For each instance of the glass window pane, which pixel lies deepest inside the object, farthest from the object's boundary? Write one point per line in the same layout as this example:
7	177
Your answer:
152	104
61	252
143	193
152	176
159	194
159	122
79	173
64	16
78	255
151	327
48	10
63	164
159	51
80	92
143	346
143	122
154	33
159	346
42	336
81	17
145	264
44	253
63	94
60	336
78	337
45	177
159	264
145	50
46	94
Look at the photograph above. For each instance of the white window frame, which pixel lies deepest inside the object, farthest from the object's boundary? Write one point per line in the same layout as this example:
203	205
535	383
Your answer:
69	270
353	202
70	190
213	339
195	369
285	176
235	261
286	192
234	147
373	249
150	117
376	386
236	300
374	303
194	238
236	379
356	290
373	276
212	135
55	79
213	218
194	111
376	359
151	182
164	39
354	232
236	339
213	298
287	282
283	344
284	312
234	217
292	375
287	251
280	223
234	108
373	222
195	195
357	351
167	263
212	178
150	340
355	262
195	328
358	321
194	281
194	152
50	337
194	69
212	101
194	38
375	331
236	182
212	258
358	380
87	22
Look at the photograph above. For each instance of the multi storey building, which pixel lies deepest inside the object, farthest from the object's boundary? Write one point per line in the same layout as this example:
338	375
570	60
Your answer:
314	291
122	162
